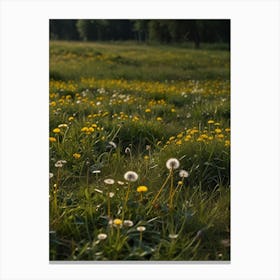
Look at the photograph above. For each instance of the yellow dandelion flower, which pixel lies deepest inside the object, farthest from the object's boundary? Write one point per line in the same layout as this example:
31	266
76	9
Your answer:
56	130
210	122
220	136
53	104
146	157
227	143
217	124
142	189
117	222
173	110
179	142
218	130
70	119
227	130
90	129
159	119
148	110
188	137
76	155
52	139
84	129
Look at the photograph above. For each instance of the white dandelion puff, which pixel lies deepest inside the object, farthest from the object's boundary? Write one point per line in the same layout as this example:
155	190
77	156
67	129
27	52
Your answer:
131	176
172	163
183	174
141	228
102	236
109	181
60	163
127	223
111	194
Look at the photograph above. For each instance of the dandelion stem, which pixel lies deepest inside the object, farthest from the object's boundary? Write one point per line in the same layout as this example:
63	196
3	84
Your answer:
171	189
87	176
140	238
126	199
57	179
109	206
159	192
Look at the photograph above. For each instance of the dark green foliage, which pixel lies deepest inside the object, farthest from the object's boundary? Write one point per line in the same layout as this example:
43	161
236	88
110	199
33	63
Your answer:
161	31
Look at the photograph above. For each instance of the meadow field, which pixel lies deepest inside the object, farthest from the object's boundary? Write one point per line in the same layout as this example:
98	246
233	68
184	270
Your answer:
139	152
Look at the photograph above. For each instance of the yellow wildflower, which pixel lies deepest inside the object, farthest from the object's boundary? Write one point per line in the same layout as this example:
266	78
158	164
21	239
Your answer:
210	122
179	142
117	222
142	189
84	129
159	119
217	130
70	119
76	155
220	136
56	130
52	139
148	110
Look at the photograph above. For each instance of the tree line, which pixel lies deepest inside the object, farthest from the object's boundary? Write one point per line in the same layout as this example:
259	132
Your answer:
162	31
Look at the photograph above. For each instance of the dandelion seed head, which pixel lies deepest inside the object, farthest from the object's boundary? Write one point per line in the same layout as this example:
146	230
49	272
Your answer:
141	228
111	194
51	175
172	163
102	236
183	174
131	176
109	181
128	223
60	163
121	183
172	236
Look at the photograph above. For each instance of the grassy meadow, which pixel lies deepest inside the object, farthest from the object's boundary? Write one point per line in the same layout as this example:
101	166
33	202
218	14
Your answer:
139	152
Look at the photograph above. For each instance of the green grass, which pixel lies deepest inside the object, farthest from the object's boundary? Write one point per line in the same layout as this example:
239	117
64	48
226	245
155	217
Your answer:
154	103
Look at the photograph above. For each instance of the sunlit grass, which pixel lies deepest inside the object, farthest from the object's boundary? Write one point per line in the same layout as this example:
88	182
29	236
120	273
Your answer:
114	132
